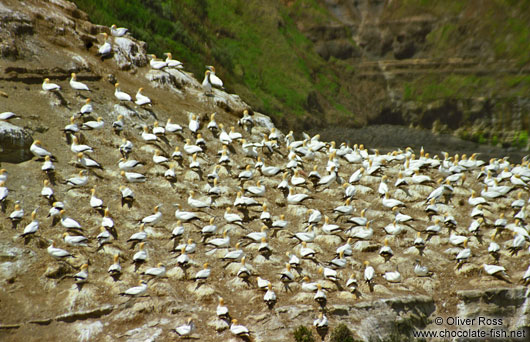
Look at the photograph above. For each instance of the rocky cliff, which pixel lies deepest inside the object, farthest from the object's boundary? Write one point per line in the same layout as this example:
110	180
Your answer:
41	298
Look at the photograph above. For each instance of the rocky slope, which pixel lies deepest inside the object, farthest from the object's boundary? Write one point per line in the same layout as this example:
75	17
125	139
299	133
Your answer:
39	298
449	66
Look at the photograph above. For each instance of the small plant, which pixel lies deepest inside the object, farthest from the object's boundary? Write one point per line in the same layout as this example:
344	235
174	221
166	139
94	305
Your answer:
303	334
341	334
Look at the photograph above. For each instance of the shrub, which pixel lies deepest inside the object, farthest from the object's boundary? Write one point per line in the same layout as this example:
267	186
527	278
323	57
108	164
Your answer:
303	334
341	334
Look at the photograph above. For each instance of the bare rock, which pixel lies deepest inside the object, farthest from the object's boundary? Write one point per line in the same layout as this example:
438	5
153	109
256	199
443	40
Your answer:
129	53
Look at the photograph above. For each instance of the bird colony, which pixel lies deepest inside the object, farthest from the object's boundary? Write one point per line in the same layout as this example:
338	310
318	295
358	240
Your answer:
218	212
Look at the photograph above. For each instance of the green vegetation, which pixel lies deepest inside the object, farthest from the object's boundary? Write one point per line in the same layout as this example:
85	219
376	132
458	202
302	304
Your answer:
341	334
303	334
256	47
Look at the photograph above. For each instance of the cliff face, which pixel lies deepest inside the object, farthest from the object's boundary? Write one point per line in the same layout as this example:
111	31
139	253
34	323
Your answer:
450	66
39	297
459	67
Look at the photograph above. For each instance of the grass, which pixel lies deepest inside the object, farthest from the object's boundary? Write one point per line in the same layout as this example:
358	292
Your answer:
256	46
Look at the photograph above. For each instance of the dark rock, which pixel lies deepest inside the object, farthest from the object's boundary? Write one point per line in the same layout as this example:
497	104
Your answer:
14	143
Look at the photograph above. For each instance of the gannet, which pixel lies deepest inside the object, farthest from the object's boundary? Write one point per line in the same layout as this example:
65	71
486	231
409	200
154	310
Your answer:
158	158
16	215
198	204
386	252
352	284
86	162
127	196
77	148
103	237
213	78
320	296
234	255
239	330
139	236
172	63
329	228
287	276
194	124
120	95
359	220
156	63
391	202
189	148
243	272
156	272
356	176
76	85
126	148
517	243
294	261
315	216
246	174
222	310
118	31
394	228
263	284
183	259
47	86
86	108
128	165
457	239
244	201
361	232
55	211
369	273
257	236
494	248
421	271
68	222
463	255
154	218
78	181
401	218
392	276
133	177
203	274
306	252
38	151
339	261
184	216
345	249
58	253
206	85
270	297
95	203
296	179
212	124
329	273
223	242
99	123
115	269
70	129
141	99
4	192
185	330
136	291
33	226
172	127
519	202
82	276
106	48
293	198
140	256
344	209
308	236
321	322
497	271
307	286
75	240
383	187
117	125
7	116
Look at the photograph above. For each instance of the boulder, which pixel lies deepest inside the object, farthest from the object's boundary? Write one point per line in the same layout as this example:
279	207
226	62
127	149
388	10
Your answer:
14	143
